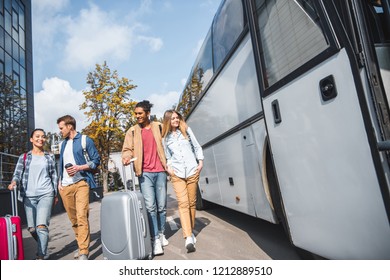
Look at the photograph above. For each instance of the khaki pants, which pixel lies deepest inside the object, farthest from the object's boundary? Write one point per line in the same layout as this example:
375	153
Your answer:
75	198
185	190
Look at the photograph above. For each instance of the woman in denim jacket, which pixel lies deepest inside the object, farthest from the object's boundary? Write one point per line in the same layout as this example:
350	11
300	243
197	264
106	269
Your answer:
184	163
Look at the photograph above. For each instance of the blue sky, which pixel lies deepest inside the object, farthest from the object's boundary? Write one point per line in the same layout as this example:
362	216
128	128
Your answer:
154	43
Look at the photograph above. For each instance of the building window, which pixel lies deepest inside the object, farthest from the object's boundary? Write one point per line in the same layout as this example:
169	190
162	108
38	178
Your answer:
7	5
8	65
16	114
15	50
1	37
7	22
15	19
22	77
21	17
22	38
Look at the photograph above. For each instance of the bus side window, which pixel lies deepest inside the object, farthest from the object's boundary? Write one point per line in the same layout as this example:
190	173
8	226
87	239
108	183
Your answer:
227	27
377	21
290	34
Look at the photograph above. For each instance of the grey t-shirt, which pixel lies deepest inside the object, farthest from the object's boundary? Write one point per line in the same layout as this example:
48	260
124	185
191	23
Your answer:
39	181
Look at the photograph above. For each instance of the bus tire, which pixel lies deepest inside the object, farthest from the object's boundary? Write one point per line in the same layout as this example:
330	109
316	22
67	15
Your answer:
277	203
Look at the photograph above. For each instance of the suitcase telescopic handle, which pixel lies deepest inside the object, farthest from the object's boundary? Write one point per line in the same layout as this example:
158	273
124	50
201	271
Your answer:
14	202
132	175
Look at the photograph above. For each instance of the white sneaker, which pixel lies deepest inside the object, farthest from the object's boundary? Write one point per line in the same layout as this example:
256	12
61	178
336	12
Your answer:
164	241
83	257
76	255
193	238
157	248
190	246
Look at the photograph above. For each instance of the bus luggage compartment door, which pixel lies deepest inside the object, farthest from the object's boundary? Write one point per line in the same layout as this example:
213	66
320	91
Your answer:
323	161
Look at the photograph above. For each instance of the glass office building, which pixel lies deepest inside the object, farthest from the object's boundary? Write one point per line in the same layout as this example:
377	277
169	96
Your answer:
16	76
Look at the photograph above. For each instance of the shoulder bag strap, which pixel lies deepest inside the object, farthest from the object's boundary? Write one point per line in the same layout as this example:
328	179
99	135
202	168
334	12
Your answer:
84	146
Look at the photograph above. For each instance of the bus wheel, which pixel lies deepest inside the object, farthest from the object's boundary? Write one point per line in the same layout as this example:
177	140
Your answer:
274	192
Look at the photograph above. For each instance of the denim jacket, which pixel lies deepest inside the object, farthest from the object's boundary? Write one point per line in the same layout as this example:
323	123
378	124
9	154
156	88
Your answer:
22	170
181	155
80	159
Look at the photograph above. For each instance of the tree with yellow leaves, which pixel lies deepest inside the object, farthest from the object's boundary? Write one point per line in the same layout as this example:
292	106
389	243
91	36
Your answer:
109	109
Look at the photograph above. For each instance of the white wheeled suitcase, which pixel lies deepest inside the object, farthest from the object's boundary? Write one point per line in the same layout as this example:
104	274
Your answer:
124	224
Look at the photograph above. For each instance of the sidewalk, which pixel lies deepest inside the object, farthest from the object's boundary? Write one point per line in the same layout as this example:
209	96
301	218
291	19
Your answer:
212	229
62	244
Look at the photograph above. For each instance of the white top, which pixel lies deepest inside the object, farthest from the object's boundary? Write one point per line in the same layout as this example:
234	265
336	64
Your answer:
69	158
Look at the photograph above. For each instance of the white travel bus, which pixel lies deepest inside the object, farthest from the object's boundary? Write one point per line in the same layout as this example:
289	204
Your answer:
289	100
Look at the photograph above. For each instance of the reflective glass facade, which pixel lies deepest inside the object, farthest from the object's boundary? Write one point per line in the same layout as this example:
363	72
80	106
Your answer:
16	76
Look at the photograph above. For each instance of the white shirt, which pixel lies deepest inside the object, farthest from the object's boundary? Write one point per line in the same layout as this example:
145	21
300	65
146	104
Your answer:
180	154
69	158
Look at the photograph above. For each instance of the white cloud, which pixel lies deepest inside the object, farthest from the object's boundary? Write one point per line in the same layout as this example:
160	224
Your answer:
47	24
145	7
57	98
49	5
155	44
163	102
93	37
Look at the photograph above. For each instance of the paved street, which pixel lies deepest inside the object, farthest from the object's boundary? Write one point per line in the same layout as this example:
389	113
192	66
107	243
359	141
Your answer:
62	244
219	237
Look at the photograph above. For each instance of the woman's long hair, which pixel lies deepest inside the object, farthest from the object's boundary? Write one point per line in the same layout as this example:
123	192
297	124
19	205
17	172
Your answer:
167	128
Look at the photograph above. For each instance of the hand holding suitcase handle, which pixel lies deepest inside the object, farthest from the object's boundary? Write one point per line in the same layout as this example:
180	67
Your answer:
128	160
12	185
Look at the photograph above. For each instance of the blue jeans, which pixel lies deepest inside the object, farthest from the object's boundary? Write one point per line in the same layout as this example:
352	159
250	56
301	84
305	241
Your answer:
38	212
154	189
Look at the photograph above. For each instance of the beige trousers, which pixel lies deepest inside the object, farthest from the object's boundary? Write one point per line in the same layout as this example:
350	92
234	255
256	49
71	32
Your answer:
75	198
185	190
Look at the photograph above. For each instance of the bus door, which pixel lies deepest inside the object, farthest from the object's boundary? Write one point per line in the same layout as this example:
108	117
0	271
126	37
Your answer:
372	24
321	132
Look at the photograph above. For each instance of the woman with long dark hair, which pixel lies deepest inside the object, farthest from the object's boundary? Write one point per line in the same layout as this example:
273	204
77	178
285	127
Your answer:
35	176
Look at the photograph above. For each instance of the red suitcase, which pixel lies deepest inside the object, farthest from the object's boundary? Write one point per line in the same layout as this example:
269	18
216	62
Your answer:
11	239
